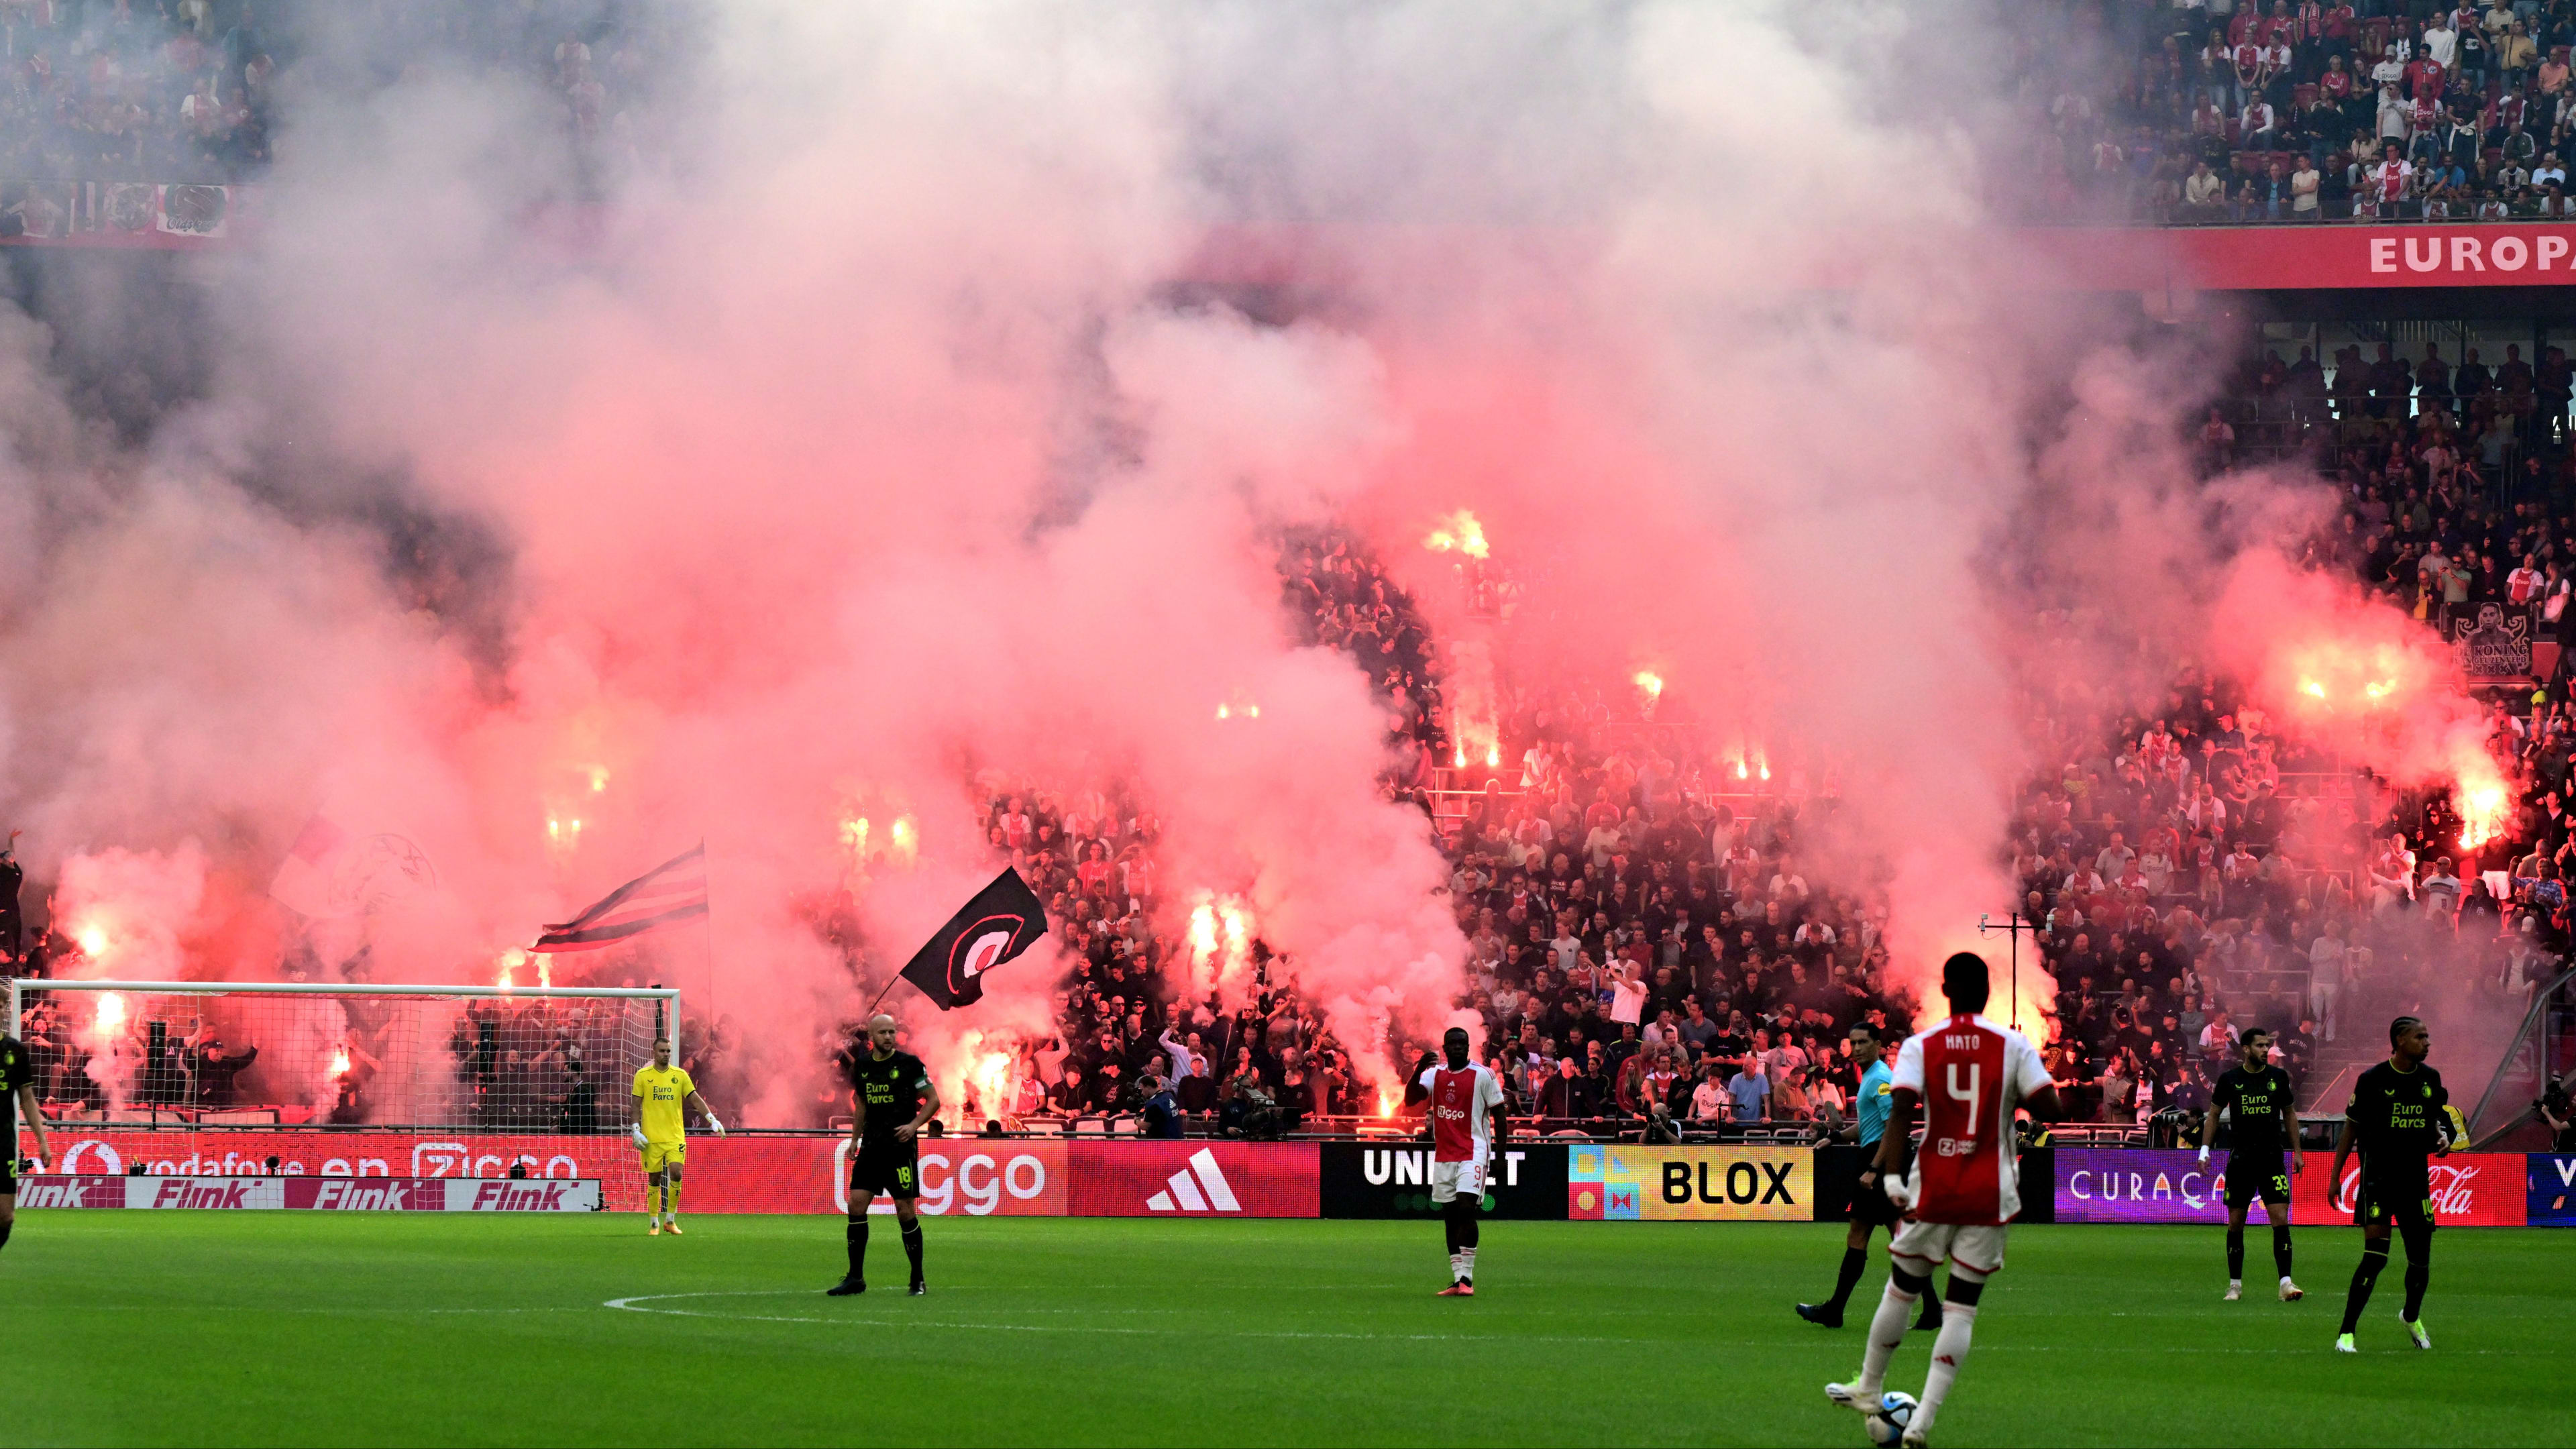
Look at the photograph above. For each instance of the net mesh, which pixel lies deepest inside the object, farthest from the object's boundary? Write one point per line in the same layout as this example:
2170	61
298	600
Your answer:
496	1063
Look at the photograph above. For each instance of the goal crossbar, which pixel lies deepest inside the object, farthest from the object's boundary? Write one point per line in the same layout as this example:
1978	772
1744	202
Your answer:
481	1057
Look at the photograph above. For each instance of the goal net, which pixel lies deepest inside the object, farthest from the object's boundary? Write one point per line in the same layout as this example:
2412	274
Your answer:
471	1058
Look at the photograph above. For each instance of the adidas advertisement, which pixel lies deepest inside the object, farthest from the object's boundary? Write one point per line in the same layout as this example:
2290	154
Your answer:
1192	1178
1393	1180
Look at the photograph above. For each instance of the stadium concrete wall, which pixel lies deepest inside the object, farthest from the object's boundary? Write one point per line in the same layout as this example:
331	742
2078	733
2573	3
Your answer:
1203	1177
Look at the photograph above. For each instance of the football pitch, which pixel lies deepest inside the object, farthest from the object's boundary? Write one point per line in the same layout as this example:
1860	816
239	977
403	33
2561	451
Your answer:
226	1327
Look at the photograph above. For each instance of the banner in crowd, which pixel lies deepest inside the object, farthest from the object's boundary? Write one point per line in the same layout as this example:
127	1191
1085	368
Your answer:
1393	1180
151	215
2147	1185
2550	1190
324	1194
2361	256
2470	1189
1618	1183
2492	642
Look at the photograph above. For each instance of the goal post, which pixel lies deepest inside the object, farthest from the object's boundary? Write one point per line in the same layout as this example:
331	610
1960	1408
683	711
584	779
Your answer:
552	1059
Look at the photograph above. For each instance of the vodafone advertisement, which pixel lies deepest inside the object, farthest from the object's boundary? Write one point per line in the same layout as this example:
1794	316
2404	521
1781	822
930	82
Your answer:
743	1173
2470	1190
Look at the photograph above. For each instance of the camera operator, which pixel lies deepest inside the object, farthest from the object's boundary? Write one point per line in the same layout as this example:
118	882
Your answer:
2560	1113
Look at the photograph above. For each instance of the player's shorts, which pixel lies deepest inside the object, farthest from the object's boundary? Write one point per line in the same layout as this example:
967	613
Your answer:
2266	1177
1870	1207
658	1155
892	1168
8	1177
1450	1180
2404	1204
1979	1248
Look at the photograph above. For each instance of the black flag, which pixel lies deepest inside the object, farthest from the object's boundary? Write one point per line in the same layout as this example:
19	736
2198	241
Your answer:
1004	919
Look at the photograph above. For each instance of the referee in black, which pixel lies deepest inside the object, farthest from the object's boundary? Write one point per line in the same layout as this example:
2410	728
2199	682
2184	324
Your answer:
1870	1208
892	1096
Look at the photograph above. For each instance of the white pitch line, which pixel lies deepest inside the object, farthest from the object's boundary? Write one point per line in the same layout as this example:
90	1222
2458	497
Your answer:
632	1305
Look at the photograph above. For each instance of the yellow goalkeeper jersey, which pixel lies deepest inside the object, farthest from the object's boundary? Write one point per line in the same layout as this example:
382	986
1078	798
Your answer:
660	1094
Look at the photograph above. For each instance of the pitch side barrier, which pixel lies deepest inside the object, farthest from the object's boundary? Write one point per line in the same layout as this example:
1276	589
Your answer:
1196	1177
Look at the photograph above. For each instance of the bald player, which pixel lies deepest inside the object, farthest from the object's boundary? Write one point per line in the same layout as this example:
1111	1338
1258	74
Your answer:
892	1097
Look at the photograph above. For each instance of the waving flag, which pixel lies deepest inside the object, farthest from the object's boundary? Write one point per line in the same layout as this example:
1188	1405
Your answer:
668	894
1004	919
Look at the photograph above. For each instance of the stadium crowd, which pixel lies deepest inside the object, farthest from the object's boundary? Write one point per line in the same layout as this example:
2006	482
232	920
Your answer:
191	90
2294	110
1649	954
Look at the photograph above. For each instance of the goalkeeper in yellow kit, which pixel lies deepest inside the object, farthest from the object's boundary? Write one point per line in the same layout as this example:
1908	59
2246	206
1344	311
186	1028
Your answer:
662	1092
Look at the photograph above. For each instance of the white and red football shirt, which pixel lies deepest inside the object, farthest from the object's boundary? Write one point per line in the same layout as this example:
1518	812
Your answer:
1978	1072
1460	1104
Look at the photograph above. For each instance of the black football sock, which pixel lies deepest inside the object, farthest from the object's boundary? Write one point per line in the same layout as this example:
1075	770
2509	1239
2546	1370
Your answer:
858	1247
912	1245
2281	1248
2235	1254
1930	1319
4	1231
2418	1276
2364	1278
1855	1263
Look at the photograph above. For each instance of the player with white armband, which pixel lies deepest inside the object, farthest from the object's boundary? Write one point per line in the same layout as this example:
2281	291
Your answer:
1965	1185
663	1092
1465	1107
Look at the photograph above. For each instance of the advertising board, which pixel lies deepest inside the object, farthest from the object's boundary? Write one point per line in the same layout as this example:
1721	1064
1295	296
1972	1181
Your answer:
1615	1182
1393	1180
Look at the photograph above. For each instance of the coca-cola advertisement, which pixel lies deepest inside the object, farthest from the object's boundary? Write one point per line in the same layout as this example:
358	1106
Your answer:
2470	1189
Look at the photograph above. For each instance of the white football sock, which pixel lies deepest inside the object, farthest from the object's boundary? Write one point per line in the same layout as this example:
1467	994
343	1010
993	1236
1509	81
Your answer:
1467	1264
1949	1351
1886	1332
1457	1266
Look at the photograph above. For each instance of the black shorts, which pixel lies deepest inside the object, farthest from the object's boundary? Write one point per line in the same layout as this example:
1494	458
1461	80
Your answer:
1870	1207
2265	1176
2403	1203
9	1176
889	1167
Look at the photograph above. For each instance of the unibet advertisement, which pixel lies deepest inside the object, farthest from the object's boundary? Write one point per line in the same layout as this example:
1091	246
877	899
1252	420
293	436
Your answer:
1618	1183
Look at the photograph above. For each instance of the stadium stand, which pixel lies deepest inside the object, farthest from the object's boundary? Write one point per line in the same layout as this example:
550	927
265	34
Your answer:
2211	113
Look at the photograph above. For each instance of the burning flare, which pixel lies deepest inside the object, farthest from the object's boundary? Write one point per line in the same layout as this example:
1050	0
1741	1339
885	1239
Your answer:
1458	533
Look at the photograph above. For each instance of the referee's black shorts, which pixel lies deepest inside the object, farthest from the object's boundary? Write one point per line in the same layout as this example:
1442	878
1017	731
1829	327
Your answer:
1870	1207
889	1167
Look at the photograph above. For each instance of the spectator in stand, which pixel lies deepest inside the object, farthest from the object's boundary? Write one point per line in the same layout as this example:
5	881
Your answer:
1750	1092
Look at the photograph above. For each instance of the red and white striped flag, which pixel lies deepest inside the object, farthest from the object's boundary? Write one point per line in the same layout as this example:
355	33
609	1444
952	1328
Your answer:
668	894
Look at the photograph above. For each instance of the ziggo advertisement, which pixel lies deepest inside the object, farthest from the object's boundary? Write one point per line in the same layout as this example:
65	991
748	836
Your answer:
1201	1178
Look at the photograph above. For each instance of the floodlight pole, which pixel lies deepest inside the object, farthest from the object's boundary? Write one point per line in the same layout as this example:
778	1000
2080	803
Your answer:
2012	928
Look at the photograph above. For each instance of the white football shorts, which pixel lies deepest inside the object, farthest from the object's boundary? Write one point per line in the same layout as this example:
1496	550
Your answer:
1451	1179
1977	1248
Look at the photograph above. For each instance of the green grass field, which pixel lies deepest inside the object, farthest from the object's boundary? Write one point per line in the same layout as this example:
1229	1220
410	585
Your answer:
227	1327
